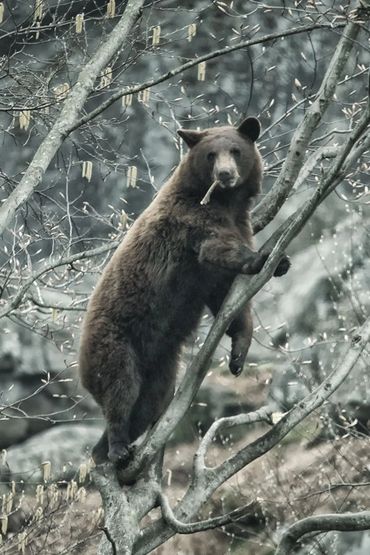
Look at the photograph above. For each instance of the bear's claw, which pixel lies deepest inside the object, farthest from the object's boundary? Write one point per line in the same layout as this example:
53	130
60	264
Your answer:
236	365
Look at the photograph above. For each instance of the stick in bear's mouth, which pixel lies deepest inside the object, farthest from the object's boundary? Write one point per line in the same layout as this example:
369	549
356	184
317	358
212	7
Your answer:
207	196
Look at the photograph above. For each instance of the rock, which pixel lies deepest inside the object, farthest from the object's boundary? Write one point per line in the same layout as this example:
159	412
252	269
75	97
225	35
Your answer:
65	446
311	313
39	385
311	300
32	403
24	351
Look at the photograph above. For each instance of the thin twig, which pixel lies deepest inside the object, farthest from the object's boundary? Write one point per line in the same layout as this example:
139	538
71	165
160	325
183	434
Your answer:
133	89
272	202
90	253
72	106
207	196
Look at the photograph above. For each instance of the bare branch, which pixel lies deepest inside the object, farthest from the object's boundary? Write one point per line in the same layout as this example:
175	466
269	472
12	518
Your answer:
207	482
272	202
332	487
17	299
120	520
322	523
301	410
261	415
70	111
202	525
313	161
196	61
345	157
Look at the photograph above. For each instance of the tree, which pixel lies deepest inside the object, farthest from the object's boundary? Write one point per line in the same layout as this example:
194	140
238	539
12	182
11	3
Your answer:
312	157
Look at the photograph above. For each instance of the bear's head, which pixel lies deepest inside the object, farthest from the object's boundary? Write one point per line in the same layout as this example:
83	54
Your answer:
226	155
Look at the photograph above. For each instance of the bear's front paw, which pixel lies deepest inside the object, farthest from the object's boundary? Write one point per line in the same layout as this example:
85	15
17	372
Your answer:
236	364
119	453
255	264
283	266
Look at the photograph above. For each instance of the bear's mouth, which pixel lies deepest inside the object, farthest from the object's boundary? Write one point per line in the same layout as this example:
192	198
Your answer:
230	181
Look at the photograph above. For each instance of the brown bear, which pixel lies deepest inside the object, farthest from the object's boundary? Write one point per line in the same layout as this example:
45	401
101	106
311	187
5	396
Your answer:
179	257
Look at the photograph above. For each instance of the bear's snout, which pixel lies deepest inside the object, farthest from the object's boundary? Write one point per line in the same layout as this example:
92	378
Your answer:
227	177
224	175
225	170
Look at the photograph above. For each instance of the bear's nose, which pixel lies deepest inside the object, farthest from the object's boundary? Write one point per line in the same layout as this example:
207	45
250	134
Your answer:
224	175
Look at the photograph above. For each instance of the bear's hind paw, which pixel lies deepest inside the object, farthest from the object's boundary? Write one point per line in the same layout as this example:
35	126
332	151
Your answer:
119	453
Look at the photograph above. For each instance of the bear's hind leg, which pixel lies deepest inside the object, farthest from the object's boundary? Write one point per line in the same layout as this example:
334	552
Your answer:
156	394
119	399
118	418
100	450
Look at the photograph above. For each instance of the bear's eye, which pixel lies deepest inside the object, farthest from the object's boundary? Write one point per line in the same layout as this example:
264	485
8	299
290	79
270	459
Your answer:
211	156
235	152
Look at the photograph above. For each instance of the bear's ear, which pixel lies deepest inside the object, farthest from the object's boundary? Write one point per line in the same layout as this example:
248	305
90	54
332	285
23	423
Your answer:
250	128
190	136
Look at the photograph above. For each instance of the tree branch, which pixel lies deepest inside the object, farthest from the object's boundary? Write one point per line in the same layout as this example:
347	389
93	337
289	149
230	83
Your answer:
300	411
272	202
203	486
312	163
120	519
261	415
346	155
322	523
202	525
17	299
68	116
133	89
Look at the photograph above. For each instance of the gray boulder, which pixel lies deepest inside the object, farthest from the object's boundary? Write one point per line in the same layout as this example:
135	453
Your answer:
65	446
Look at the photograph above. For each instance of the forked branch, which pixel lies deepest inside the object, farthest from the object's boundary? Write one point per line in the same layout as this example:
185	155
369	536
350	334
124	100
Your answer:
202	525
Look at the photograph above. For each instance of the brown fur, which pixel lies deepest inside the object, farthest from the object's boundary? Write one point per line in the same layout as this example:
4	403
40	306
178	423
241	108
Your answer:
178	257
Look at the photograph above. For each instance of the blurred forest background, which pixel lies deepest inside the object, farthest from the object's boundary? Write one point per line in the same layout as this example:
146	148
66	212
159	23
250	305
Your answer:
105	173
